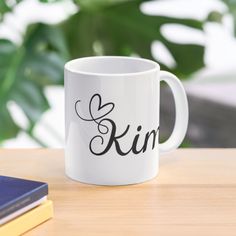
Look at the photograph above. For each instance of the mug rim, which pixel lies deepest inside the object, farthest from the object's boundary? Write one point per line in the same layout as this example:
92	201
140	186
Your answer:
155	66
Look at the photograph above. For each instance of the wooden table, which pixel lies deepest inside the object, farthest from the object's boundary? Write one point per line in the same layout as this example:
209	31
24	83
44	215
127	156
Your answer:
194	194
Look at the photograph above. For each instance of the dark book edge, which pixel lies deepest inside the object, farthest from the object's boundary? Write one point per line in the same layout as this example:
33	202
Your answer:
24	200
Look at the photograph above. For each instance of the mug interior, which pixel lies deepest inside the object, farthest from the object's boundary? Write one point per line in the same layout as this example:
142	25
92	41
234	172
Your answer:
111	65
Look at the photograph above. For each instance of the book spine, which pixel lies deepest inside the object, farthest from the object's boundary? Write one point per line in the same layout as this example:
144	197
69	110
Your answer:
27	221
25	200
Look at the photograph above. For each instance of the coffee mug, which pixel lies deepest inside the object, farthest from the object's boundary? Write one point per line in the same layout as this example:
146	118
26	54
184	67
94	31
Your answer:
112	119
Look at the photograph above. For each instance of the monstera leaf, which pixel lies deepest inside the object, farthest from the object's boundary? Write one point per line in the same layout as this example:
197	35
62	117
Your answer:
25	70
120	28
101	27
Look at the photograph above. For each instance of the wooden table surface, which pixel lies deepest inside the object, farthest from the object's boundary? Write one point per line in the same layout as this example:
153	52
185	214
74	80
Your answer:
194	194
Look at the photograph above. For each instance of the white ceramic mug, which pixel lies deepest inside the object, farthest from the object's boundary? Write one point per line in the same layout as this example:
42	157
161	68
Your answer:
112	119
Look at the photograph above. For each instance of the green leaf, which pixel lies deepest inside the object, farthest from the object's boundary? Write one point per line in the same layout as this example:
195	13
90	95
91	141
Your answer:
215	16
31	100
79	35
49	1
232	10
189	58
7	6
91	5
8	128
26	70
4	8
122	29
101	27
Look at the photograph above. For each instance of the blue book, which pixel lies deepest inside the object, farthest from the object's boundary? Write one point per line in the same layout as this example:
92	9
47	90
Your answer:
16	194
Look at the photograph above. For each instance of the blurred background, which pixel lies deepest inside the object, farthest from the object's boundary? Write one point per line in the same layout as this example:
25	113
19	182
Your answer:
193	39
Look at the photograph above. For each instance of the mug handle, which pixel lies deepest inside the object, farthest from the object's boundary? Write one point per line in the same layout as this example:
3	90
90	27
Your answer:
181	111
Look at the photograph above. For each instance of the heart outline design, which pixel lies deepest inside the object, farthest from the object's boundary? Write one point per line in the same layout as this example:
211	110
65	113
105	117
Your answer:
100	107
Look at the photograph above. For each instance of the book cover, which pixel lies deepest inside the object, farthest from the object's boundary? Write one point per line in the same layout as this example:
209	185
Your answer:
28	220
17	193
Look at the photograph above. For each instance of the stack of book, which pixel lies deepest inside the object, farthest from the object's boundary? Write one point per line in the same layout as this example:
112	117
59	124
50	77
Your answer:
23	205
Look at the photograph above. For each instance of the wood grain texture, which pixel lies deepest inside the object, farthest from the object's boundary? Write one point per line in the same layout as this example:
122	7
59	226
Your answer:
194	194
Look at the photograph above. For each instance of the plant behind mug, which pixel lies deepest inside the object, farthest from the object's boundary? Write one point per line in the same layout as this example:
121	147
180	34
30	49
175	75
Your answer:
104	27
